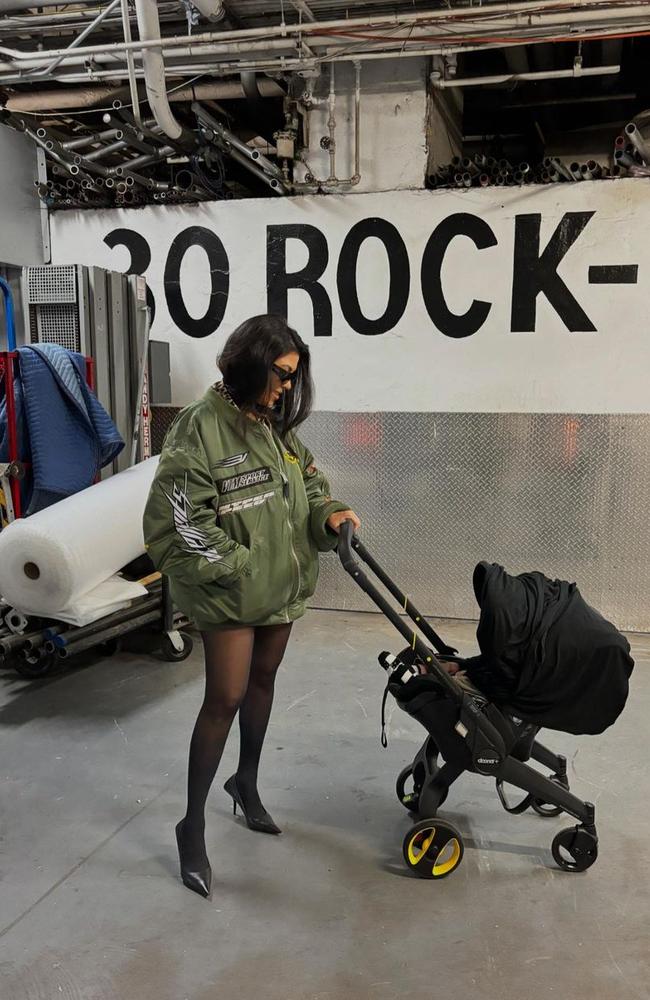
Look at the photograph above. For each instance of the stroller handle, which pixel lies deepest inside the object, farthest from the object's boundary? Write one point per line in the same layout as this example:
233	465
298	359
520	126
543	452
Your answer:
344	547
348	542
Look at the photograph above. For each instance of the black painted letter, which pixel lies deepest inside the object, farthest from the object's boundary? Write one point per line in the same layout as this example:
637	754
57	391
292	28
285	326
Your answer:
533	273
219	278
278	282
449	323
399	280
140	252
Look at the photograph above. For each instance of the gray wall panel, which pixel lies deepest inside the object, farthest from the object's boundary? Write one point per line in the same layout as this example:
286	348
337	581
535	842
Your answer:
566	494
21	232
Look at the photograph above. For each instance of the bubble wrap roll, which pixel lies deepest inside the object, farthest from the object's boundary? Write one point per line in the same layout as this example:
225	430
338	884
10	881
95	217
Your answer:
49	560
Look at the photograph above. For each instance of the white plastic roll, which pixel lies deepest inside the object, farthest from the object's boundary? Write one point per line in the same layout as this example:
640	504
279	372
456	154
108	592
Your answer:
51	559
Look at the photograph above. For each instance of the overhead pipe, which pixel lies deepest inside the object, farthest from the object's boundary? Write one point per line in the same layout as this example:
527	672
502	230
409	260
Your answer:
212	10
154	68
551	74
82	97
323	30
13	6
76	42
130	63
333	181
187	48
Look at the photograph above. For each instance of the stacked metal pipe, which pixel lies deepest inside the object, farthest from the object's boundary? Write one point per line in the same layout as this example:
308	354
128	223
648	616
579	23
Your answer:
486	171
35	650
632	152
114	166
630	157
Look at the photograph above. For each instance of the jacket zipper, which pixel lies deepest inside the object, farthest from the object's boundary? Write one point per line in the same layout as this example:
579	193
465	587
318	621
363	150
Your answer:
285	495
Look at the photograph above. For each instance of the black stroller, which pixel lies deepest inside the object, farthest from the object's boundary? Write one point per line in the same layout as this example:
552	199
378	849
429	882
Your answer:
466	733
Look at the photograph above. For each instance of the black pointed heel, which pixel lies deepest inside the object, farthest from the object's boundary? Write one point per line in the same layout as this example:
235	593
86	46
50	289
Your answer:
261	824
199	881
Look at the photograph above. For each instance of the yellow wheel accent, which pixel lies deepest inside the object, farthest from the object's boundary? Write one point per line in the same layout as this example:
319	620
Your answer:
433	849
448	866
417	850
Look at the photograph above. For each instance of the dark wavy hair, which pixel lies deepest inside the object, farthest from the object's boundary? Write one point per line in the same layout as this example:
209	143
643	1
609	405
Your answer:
246	365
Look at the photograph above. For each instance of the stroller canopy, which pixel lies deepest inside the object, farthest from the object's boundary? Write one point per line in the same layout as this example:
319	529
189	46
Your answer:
546	654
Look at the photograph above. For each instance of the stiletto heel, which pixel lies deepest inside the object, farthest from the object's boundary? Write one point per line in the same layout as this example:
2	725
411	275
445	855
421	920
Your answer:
198	881
262	823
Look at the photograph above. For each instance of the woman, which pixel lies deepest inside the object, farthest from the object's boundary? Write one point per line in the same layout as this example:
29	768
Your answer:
236	517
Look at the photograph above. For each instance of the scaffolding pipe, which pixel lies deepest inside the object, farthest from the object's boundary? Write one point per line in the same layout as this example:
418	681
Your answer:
104	635
245	161
230	140
88	140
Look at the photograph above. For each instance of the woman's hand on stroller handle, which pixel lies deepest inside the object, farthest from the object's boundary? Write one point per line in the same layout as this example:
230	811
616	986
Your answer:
335	521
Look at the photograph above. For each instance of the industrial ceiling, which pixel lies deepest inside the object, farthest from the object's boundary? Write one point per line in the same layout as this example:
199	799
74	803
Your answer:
133	101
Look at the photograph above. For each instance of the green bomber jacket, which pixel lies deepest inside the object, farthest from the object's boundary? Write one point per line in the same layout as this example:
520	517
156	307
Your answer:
236	517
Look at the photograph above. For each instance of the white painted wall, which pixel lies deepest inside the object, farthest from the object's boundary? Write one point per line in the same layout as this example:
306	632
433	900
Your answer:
21	236
393	124
414	366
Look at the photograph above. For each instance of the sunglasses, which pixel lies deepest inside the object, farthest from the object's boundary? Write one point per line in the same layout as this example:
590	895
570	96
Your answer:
284	375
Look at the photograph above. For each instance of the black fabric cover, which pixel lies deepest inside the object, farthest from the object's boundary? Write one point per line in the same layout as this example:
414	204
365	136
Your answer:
546	653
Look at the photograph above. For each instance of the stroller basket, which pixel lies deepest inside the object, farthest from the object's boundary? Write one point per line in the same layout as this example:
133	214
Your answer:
466	732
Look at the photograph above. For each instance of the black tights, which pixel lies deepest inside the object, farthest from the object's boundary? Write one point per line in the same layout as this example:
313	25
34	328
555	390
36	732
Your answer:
240	669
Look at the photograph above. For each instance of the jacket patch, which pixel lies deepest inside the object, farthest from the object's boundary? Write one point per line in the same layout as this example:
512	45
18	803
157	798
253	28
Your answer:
195	540
229	463
241	482
237	505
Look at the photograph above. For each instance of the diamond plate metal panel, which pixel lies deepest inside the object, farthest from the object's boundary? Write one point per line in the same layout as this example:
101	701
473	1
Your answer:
565	494
162	418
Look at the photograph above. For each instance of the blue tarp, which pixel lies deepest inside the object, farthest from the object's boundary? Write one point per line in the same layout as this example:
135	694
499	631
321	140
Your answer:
63	430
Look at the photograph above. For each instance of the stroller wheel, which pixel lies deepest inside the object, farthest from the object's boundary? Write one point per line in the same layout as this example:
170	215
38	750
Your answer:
409	799
433	848
575	849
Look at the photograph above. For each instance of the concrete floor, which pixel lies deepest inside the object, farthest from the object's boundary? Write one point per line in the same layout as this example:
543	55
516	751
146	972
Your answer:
92	908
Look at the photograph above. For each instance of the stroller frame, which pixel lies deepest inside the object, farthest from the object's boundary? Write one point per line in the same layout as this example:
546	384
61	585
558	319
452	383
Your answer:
468	732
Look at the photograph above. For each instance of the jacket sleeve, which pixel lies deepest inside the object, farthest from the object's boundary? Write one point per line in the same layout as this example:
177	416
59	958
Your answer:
321	505
180	520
